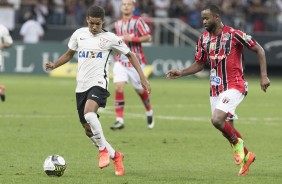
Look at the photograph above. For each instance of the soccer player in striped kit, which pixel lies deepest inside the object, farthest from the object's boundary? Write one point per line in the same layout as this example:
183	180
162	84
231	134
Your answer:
134	31
95	48
6	41
222	46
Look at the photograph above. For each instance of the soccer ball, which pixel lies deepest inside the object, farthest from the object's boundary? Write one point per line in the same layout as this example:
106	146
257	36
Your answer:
54	165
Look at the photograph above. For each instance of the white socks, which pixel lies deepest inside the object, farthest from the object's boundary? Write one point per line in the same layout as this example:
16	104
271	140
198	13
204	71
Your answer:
96	128
149	113
98	137
119	120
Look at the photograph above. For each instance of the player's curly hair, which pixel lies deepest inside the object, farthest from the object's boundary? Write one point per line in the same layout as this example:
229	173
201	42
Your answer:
96	11
214	9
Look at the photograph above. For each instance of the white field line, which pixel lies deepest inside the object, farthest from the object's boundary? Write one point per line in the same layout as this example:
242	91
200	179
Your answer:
194	119
110	111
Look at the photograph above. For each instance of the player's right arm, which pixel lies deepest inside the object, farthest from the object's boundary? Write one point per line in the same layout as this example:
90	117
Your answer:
198	65
61	60
192	69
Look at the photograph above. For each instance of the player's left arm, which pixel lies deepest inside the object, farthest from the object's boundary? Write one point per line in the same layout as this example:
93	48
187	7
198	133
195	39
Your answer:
264	82
132	58
145	38
250	43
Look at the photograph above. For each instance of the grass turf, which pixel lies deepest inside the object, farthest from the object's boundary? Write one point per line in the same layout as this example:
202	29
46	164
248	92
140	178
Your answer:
39	119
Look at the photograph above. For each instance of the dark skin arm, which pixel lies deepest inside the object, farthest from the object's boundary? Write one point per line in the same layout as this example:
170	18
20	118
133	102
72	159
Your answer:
192	69
61	60
264	81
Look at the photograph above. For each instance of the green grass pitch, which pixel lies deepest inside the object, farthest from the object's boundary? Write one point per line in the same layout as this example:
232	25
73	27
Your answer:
39	119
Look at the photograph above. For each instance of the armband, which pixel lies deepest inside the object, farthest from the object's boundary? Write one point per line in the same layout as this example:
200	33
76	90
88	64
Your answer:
135	39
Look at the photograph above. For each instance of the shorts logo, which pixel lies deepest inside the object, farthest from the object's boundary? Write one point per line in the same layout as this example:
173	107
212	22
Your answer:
94	96
225	100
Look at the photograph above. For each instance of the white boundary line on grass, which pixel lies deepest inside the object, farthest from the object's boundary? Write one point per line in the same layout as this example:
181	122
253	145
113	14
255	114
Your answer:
269	120
195	119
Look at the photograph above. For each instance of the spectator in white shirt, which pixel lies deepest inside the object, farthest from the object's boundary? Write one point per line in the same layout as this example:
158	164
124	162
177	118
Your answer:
31	31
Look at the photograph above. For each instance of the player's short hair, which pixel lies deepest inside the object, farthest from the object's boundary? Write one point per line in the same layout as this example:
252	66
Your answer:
96	11
214	9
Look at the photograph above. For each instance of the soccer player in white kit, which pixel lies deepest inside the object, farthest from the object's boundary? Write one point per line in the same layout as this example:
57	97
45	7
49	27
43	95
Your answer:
95	48
6	41
133	30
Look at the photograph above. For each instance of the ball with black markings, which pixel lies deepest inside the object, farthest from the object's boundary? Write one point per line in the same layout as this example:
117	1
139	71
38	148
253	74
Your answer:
54	165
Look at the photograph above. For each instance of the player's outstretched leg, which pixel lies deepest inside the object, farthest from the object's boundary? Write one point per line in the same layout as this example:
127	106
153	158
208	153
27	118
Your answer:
237	143
104	158
99	138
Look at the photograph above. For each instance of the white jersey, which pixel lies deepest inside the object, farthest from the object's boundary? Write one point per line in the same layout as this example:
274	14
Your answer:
5	40
5	37
31	31
94	53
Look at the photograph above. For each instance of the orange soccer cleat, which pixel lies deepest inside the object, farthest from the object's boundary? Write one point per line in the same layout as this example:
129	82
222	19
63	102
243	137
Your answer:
118	163
104	158
248	160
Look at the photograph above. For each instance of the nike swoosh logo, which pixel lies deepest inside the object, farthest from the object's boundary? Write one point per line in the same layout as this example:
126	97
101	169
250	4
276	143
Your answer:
94	96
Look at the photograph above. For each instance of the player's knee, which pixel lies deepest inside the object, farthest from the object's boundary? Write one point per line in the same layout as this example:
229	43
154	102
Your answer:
88	115
217	122
119	88
140	91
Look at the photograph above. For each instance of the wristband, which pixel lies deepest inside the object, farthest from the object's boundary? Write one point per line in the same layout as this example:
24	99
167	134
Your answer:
135	39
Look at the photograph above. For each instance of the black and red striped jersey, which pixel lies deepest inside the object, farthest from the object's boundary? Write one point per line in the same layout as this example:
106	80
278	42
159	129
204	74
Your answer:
135	27
224	52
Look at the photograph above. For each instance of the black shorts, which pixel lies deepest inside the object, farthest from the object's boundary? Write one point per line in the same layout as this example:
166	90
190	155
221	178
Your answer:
96	93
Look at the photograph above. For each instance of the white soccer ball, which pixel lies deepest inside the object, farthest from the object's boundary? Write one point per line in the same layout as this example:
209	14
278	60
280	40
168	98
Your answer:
54	165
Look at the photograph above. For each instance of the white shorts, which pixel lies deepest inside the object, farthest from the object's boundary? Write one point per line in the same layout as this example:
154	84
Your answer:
127	74
227	102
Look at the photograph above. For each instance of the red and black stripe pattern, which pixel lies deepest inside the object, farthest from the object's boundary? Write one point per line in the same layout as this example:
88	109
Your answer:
224	54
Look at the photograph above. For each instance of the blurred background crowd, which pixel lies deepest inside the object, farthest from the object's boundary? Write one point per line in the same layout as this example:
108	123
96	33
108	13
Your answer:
248	15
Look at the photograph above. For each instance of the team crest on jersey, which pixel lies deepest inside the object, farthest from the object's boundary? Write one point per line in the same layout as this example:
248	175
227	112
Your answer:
225	37
246	37
205	39
103	43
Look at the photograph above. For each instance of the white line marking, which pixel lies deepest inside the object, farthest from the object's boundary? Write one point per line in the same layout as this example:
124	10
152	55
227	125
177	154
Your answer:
268	120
